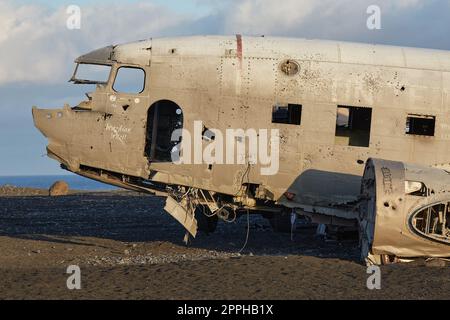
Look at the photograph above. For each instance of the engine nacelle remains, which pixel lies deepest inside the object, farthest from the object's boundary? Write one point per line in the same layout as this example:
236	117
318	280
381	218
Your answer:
405	212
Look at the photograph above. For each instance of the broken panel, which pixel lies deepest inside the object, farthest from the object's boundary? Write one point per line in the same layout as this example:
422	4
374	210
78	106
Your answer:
287	114
433	222
353	126
420	125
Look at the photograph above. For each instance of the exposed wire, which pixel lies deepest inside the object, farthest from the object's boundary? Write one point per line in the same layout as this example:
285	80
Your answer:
246	173
192	196
248	232
234	217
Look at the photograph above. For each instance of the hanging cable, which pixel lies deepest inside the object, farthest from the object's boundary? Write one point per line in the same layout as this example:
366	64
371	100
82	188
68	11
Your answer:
248	232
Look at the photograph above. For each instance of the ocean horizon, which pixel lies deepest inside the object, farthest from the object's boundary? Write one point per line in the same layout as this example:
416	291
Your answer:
45	181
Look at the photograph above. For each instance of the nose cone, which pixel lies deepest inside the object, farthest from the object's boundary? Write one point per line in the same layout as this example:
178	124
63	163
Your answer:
55	127
50	122
39	117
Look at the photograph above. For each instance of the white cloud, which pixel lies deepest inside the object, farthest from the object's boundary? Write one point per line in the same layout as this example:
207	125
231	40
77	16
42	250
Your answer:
269	16
36	46
262	16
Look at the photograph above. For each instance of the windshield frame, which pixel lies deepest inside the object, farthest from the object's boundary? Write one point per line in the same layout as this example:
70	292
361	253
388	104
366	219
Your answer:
76	80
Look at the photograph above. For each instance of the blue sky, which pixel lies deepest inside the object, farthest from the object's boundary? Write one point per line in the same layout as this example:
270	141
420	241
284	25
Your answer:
185	6
37	50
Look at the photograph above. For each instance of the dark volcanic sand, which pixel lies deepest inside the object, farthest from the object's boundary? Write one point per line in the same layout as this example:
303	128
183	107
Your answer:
129	248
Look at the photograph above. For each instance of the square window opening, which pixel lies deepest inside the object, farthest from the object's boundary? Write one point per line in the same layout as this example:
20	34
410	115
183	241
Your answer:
287	114
353	126
420	125
129	80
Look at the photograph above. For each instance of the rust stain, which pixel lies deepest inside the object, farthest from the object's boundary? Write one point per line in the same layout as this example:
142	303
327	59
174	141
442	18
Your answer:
239	48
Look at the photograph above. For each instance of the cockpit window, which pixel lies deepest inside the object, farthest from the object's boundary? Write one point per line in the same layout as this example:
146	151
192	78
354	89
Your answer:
91	74
129	80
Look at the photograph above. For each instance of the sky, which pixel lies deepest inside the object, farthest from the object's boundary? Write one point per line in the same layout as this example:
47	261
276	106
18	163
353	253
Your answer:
37	50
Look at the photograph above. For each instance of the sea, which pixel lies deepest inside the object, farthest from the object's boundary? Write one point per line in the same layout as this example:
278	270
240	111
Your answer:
44	182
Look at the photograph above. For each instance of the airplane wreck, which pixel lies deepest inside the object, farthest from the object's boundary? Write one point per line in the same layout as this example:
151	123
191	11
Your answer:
329	109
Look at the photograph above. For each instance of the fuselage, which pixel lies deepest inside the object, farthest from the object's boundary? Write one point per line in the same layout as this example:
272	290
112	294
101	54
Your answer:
341	104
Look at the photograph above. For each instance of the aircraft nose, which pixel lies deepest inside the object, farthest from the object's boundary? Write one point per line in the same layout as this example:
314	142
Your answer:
55	126
38	118
44	120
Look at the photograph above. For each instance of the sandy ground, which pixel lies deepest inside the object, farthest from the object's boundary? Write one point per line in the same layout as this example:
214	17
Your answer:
128	248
